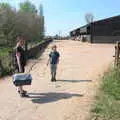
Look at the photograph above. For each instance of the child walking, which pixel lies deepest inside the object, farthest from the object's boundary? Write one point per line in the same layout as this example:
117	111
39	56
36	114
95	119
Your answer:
54	61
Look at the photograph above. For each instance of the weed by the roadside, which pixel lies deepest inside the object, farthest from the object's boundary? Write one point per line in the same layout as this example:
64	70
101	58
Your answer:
107	103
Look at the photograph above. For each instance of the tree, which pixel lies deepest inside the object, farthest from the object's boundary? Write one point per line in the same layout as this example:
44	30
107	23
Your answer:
6	22
23	22
89	18
5	6
41	10
27	6
42	32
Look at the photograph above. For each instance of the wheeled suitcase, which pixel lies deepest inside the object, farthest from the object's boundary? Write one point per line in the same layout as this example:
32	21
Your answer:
22	79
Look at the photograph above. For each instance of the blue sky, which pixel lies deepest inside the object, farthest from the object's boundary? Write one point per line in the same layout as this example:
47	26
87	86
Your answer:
65	15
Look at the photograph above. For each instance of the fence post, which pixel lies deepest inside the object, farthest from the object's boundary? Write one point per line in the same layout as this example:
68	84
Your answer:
117	52
1	68
26	50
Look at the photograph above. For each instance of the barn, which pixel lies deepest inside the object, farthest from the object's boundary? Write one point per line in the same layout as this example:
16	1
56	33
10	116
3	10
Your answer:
102	31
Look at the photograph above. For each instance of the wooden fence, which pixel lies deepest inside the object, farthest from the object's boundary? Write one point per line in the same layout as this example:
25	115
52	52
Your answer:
117	53
33	52
6	61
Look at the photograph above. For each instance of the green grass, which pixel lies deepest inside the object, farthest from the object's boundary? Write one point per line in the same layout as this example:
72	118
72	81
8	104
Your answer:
4	51
5	57
107	103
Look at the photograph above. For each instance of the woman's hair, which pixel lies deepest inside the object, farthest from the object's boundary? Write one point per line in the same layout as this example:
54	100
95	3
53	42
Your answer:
19	38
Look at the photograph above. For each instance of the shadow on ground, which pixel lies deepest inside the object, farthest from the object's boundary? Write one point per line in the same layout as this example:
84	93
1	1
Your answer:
74	81
42	98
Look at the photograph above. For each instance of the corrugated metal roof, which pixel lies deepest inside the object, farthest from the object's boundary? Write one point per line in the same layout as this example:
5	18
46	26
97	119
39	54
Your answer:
98	21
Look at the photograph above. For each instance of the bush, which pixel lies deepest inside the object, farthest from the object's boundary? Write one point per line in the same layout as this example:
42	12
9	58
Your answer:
107	104
25	21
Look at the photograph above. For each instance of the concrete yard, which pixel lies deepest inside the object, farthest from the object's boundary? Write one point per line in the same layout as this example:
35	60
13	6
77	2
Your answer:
70	98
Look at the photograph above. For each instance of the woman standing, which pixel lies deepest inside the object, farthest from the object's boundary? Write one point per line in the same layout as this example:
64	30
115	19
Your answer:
19	62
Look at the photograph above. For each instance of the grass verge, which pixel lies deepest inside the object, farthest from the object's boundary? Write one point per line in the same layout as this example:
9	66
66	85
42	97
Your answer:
107	101
5	58
4	51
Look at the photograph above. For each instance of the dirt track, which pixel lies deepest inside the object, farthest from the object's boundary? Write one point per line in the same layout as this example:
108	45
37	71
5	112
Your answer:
70	98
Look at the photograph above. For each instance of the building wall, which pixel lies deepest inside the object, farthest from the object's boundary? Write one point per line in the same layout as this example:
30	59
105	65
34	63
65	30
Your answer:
108	27
89	38
103	31
105	39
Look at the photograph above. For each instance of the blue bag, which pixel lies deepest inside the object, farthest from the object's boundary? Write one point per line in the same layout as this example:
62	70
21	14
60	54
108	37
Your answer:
21	79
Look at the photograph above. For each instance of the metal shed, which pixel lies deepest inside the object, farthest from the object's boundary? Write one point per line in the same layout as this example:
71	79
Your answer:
102	31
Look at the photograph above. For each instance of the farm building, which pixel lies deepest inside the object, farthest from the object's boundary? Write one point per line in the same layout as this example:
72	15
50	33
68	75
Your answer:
102	31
